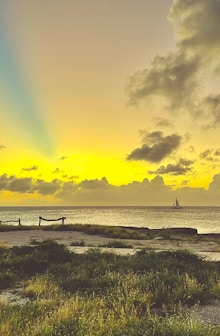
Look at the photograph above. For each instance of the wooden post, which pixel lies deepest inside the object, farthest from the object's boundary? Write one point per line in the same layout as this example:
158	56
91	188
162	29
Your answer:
51	220
19	222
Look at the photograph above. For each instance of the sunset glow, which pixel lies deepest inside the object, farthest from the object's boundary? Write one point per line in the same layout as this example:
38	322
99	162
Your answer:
109	102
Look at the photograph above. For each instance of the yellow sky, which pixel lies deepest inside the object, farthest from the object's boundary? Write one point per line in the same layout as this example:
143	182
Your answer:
109	102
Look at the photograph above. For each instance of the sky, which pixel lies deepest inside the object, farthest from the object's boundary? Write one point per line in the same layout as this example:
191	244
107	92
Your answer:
109	102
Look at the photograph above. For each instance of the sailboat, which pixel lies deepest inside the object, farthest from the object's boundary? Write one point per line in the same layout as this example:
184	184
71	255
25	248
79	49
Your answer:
176	205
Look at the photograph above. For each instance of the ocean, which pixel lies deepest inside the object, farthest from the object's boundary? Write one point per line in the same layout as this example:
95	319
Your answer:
204	219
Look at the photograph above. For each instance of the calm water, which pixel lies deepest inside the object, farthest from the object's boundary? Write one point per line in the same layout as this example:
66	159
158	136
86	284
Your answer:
204	219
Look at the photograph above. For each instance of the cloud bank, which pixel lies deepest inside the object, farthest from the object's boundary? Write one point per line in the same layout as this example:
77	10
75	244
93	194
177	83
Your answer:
101	192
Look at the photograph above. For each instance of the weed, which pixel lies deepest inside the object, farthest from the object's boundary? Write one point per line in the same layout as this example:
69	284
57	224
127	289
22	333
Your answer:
104	293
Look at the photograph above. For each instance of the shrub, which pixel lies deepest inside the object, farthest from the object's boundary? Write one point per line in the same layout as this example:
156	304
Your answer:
7	279
116	244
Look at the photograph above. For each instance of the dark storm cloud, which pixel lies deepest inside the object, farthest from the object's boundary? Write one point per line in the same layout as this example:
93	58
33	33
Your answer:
33	168
182	167
156	147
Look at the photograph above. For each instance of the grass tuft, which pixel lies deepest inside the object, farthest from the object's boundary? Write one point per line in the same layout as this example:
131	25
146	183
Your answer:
104	293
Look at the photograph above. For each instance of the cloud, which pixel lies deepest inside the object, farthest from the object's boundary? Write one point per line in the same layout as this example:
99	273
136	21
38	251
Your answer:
4	179
33	168
207	155
62	158
21	185
191	149
210	154
156	147
146	192
57	171
217	152
14	184
162	123
215	184
197	25
172	77
101	192
211	106
28	185
94	184
180	81
47	188
2	146
182	167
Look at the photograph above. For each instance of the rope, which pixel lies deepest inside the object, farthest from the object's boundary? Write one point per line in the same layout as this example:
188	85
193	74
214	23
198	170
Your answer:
12	221
51	220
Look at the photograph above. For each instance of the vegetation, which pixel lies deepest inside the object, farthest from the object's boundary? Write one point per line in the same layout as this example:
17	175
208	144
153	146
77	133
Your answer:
116	244
119	232
104	230
107	231
8	227
104	293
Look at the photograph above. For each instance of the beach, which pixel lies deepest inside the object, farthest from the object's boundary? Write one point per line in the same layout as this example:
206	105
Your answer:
204	245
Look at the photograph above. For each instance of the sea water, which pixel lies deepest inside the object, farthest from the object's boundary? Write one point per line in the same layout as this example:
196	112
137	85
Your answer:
204	219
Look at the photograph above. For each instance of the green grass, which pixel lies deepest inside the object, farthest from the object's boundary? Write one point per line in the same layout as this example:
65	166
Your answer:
105	294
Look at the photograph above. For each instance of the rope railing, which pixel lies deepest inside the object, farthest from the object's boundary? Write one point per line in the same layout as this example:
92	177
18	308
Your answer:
11	221
51	220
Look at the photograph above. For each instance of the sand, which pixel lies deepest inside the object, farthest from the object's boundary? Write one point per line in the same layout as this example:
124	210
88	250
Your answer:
210	249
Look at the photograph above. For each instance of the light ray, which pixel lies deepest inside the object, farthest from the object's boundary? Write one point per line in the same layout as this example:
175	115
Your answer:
25	110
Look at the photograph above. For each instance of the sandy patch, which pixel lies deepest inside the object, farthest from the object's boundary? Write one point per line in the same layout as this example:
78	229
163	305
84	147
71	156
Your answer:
209	249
